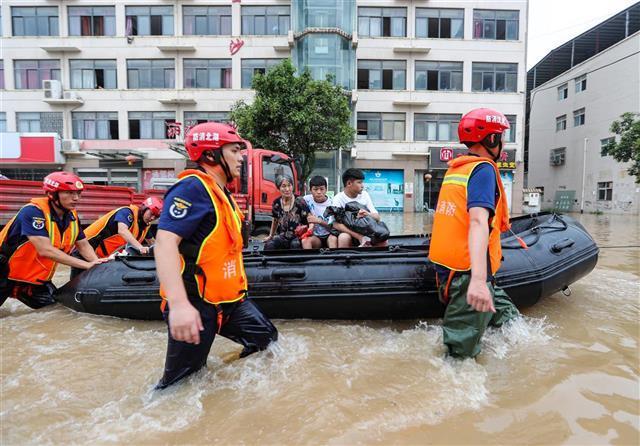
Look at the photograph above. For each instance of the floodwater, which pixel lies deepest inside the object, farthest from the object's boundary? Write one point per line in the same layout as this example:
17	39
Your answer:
566	374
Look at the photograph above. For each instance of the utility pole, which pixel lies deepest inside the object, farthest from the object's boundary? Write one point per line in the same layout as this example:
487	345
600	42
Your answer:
584	173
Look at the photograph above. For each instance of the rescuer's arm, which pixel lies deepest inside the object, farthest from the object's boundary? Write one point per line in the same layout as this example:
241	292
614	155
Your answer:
478	295
45	249
123	231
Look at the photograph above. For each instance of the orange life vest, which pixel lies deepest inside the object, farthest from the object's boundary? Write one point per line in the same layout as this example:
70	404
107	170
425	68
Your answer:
216	265
450	235
25	265
104	241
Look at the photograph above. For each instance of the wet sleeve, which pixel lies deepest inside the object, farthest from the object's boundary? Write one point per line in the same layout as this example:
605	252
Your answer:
125	216
481	191
32	222
186	205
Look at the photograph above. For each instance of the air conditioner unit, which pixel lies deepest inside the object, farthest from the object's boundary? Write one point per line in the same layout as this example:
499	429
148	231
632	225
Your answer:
70	145
52	89
70	95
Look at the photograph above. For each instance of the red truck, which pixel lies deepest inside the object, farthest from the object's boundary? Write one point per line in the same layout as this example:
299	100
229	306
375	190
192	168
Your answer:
254	191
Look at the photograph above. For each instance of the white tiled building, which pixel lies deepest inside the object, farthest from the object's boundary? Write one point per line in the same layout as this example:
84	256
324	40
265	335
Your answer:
128	69
579	90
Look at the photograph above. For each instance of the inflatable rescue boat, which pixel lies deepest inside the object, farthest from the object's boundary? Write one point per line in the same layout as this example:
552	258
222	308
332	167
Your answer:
395	282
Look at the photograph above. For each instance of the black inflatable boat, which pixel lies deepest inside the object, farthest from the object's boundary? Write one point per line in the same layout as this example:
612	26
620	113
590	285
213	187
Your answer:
396	282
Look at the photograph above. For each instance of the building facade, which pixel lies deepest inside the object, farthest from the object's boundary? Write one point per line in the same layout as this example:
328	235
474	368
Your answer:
119	81
570	116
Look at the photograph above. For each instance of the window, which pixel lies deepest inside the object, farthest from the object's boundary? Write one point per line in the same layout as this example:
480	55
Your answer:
382	74
495	24
439	76
509	135
265	20
206	20
382	22
605	191
150	73
381	126
194	118
29	74
563	92
494	77
271	170
581	83
1	74
39	122
578	117
87	73
440	23
92	21
436	127
605	142
3	122
150	125
98	125
557	156
251	67
38	21
561	123
149	20
207	73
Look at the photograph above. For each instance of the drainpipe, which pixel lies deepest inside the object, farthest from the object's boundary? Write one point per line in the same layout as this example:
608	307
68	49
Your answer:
584	173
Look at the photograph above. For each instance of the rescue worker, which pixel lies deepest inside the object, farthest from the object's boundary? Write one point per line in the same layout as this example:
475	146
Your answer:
198	254
41	235
471	213
127	224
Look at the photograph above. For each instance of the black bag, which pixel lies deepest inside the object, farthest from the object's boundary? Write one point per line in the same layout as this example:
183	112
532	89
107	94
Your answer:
377	231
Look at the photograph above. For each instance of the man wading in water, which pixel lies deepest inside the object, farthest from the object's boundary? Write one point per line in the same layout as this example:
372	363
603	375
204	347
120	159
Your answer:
198	255
465	242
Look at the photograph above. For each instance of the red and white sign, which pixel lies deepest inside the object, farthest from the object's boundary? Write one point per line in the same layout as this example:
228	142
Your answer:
30	148
446	154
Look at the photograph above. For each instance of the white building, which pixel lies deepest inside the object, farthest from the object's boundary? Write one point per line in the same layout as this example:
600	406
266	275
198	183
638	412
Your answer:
572	107
129	69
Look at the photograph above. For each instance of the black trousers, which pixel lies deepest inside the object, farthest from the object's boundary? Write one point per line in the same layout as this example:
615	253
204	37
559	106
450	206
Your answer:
242	322
282	242
34	296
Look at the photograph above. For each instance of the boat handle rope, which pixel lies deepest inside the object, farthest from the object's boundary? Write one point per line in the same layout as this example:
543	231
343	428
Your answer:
537	231
566	291
138	268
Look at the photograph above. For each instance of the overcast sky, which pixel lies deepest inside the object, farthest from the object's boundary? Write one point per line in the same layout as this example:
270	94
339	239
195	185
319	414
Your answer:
553	22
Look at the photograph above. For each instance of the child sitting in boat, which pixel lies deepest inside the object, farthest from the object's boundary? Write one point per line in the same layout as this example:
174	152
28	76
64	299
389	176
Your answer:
320	226
353	181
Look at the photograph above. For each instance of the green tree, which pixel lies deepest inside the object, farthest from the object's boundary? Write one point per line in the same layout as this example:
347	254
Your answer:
295	115
628	147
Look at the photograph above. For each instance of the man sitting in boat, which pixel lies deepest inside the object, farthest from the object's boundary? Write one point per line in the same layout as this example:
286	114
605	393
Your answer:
41	235
465	245
353	181
127	224
289	214
320	226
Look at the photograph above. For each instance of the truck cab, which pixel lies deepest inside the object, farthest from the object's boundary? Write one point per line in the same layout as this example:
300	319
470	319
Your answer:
256	188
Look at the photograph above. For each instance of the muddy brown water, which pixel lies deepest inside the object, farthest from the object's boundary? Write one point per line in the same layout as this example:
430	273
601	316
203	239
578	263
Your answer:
566	374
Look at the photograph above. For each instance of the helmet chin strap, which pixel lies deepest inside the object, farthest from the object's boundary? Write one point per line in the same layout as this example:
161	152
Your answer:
56	201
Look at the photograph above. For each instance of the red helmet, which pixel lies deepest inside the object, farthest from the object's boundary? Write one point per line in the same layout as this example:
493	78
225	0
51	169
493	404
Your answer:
153	203
209	136
62	181
479	123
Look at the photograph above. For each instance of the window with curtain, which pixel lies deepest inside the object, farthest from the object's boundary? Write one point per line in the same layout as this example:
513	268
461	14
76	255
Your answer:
496	77
95	125
29	74
495	24
382	22
92	21
206	20
265	20
207	73
98	74
35	21
437	75
150	73
149	21
436	127
382	74
251	67
381	126
150	125
436	23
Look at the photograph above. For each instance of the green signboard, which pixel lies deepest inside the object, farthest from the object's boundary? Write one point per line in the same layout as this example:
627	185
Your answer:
564	200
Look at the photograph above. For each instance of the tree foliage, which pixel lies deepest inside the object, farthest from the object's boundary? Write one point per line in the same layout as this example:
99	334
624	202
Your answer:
295	115
628	146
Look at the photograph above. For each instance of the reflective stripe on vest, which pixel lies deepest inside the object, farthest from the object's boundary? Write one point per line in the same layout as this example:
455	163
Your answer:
104	241
449	245
25	265
219	270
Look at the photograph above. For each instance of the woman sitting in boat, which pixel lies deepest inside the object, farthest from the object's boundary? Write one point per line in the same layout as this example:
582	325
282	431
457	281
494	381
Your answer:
289	217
